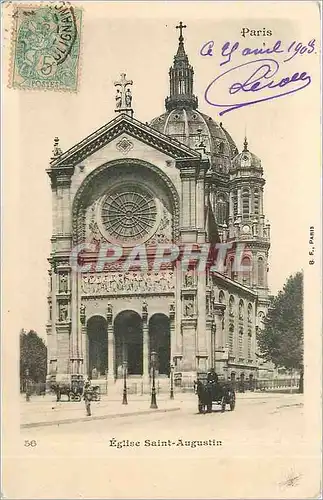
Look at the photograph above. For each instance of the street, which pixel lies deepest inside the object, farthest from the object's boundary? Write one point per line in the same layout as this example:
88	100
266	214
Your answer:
259	447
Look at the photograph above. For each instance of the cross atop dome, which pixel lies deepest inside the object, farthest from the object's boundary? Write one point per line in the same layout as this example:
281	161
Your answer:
180	27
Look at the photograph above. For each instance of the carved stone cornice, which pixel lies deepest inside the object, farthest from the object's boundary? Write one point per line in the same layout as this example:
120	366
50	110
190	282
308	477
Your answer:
246	181
218	308
60	176
123	124
63	327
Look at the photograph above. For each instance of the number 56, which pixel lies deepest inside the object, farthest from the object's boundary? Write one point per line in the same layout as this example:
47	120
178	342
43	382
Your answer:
31	443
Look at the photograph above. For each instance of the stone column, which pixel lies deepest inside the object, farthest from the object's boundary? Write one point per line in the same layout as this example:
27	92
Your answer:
261	201
63	329
145	342
239	202
231	205
173	348
110	333
188	211
84	344
75	326
200	200
178	349
202	341
188	172
219	350
251	201
210	342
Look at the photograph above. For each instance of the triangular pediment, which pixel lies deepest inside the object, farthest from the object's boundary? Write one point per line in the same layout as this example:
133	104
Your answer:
111	130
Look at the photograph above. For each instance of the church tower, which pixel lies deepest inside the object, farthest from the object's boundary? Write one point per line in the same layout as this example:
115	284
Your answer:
247	229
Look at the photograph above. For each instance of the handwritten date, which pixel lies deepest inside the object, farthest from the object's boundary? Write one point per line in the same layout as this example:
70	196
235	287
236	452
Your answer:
229	48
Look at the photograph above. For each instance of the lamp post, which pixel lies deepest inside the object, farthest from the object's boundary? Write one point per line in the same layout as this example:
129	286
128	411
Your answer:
124	399
153	403
171	381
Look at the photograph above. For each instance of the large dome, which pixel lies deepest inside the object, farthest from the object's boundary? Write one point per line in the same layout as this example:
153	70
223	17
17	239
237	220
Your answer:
192	128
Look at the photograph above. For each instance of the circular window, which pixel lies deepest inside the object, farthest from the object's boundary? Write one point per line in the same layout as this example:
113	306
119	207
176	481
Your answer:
129	214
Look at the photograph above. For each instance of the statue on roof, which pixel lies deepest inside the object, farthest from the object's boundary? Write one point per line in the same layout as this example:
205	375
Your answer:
123	95
128	98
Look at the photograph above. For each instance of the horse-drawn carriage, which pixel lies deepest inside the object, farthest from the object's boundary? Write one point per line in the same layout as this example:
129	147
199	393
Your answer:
68	385
72	386
211	389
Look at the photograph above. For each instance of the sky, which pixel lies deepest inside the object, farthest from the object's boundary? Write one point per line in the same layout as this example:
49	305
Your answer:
141	40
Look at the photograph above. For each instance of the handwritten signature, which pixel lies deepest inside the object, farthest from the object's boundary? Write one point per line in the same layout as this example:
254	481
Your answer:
262	79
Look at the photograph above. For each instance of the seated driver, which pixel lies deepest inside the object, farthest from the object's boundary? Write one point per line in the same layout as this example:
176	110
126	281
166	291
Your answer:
212	376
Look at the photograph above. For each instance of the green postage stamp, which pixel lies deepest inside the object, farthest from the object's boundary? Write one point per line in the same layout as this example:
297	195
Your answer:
46	47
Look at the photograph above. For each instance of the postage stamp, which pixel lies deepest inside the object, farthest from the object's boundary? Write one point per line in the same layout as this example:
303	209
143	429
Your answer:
46	47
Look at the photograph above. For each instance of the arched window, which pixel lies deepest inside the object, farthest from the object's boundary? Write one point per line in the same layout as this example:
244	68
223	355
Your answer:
249	343
256	198
241	309
231	335
231	305
235	203
230	271
221	209
221	297
261	272
245	202
220	147
249	313
241	343
246	273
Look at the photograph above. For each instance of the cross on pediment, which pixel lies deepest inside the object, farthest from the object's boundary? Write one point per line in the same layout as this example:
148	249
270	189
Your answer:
123	96
123	82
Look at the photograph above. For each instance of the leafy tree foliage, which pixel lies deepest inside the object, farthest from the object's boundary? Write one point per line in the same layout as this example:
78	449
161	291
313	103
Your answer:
281	339
33	357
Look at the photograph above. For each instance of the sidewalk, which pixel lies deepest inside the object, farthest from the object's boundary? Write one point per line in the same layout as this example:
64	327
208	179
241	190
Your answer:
45	411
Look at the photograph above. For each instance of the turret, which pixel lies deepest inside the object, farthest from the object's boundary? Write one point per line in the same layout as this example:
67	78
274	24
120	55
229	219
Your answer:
181	79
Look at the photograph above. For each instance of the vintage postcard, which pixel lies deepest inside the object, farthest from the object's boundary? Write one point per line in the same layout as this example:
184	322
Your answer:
161	330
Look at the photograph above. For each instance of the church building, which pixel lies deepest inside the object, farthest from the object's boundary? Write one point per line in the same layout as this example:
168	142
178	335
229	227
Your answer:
179	180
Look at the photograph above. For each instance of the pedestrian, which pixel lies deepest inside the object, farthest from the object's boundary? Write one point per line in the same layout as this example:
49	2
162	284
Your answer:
87	396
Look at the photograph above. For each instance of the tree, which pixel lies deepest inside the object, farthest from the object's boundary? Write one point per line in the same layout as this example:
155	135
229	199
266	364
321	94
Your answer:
282	338
33	357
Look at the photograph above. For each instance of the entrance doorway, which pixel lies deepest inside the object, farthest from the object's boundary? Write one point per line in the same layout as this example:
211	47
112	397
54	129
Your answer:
159	336
98	346
128	343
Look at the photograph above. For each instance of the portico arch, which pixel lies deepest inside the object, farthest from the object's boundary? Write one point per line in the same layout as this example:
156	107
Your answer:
97	346
159	341
128	343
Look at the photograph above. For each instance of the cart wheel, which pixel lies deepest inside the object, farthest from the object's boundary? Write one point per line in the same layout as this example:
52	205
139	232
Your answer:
77	397
232	402
71	397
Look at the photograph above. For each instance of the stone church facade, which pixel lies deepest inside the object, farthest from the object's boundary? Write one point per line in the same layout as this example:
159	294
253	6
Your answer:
179	180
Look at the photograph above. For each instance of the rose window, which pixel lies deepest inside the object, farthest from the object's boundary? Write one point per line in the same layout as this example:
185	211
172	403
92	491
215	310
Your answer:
129	214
